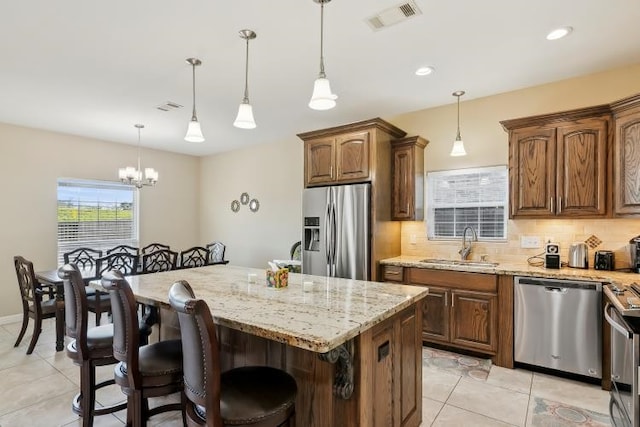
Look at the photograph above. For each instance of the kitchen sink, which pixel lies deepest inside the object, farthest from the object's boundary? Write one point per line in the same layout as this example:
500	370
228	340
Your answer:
459	262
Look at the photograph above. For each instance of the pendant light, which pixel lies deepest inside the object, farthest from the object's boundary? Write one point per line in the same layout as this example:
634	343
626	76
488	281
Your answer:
458	146
134	176
244	119
194	133
322	98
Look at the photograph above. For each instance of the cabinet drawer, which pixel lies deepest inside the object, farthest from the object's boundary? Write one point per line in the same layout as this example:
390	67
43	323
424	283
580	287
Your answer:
392	273
452	279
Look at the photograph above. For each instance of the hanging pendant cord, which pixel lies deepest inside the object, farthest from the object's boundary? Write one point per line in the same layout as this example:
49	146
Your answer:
193	116
139	170
458	136
322	74
246	76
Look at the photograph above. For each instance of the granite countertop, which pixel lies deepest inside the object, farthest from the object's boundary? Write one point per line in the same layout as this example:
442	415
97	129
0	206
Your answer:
317	316
618	278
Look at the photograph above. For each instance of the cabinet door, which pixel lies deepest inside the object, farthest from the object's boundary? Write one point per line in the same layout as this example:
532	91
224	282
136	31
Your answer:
352	156
383	374
319	160
627	164
403	184
532	171
435	315
582	168
474	320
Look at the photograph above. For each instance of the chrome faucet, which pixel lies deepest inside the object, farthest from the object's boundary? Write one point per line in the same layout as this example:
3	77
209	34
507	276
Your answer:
464	252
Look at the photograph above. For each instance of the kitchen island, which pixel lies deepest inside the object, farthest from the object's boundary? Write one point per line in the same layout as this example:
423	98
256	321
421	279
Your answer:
354	347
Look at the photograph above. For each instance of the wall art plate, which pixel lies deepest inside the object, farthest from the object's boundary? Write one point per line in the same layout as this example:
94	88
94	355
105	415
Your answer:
244	198
235	206
254	205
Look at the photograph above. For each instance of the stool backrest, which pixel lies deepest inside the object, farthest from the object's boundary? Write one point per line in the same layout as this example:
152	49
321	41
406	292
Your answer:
126	332
75	307
200	351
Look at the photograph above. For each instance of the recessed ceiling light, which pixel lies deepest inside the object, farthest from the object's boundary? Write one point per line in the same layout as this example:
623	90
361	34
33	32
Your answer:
424	71
559	33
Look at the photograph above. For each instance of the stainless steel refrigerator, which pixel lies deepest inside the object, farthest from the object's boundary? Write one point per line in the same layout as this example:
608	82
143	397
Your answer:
336	231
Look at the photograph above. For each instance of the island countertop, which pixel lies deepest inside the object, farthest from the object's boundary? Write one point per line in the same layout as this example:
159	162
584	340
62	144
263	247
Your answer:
317	317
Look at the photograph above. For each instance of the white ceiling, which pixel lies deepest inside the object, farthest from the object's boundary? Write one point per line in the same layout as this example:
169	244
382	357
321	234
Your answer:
95	68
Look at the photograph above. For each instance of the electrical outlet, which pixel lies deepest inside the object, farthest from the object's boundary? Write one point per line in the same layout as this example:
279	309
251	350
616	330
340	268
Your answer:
412	239
530	242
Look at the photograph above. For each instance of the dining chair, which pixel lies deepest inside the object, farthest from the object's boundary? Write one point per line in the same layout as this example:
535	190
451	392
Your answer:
196	256
146	371
160	260
124	262
258	396
216	253
124	248
83	258
152	247
33	305
90	347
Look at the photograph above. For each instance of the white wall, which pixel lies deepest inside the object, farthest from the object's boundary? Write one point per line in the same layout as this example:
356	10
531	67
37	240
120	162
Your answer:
272	174
32	160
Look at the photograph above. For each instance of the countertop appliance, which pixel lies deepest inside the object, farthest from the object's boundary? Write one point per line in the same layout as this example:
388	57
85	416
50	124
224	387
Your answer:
624	405
336	231
604	260
552	255
634	248
557	324
579	255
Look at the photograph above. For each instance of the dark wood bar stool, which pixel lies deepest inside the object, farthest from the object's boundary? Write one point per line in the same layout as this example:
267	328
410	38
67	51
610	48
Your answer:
152	370
33	305
91	347
257	396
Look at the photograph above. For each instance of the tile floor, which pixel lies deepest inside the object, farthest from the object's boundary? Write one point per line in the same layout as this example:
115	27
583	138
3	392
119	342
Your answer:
37	390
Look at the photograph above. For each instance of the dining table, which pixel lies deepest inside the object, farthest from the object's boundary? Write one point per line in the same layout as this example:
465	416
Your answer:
50	278
354	347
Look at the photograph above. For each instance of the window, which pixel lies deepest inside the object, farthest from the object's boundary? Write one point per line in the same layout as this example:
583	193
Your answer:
467	197
96	214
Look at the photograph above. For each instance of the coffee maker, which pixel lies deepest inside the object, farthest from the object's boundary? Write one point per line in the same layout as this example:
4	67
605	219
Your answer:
634	248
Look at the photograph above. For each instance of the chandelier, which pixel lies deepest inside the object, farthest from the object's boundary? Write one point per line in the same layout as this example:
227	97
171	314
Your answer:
135	176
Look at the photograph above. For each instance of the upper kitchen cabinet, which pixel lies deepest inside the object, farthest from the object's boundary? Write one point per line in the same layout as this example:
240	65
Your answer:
559	163
407	192
626	188
346	154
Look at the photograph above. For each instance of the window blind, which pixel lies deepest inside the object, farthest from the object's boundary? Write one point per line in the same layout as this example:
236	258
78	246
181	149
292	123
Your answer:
95	214
467	197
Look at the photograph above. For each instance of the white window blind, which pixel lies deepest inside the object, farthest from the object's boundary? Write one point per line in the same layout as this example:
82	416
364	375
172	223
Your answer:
96	214
467	197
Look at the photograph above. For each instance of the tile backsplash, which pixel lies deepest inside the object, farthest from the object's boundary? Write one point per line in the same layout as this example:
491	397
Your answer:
614	234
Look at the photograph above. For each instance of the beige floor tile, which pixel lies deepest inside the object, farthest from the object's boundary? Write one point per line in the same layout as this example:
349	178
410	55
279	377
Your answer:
52	412
11	356
173	420
437	385
23	395
430	410
512	379
489	400
451	416
575	393
17	376
101	421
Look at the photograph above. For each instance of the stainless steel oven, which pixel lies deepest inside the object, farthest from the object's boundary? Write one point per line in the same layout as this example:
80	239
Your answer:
625	359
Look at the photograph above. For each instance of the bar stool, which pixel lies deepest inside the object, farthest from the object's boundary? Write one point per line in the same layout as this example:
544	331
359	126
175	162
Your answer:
257	396
91	347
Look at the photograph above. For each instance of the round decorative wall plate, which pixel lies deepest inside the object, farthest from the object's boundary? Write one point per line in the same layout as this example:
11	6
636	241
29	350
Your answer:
254	205
244	198
235	206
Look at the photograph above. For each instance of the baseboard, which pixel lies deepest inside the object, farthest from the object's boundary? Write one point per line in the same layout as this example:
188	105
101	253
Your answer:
5	320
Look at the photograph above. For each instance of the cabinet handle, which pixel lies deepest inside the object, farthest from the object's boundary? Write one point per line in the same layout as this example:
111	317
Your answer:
445	300
559	205
331	171
391	272
452	300
551	204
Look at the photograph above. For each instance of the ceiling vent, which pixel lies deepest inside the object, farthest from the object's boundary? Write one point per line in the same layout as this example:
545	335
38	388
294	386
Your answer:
168	106
394	15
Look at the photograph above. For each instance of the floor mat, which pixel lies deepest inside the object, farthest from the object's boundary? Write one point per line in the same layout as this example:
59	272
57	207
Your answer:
457	364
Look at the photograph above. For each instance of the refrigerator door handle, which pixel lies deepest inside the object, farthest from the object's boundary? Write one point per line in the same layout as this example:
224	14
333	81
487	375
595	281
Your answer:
334	238
327	236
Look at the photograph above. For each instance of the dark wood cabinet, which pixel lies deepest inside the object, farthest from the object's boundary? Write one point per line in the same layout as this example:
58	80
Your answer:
626	187
461	309
392	273
337	159
558	164
319	160
407	192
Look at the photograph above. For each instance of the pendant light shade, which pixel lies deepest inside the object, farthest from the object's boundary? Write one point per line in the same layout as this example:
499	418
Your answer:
322	97
194	133
244	119
458	146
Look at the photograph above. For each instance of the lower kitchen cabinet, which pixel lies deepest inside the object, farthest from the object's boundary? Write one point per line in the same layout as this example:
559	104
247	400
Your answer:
435	315
474	320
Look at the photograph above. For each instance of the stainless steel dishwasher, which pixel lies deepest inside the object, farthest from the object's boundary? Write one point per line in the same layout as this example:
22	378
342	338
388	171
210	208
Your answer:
557	325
